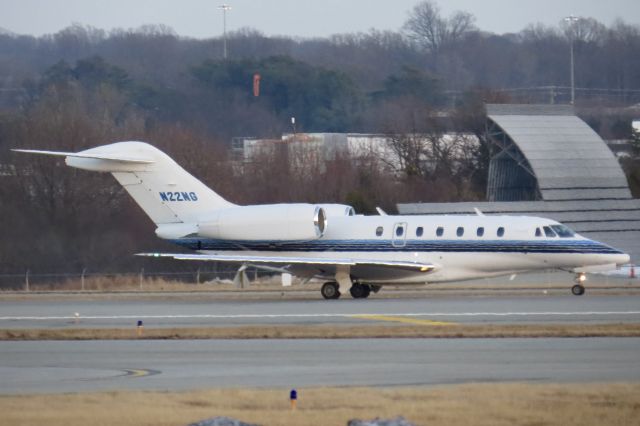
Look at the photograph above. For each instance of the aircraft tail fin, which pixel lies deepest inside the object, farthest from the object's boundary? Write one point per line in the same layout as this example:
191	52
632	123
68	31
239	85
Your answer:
164	190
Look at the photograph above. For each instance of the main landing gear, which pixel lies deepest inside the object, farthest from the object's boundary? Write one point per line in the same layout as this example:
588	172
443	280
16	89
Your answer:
360	291
331	290
578	288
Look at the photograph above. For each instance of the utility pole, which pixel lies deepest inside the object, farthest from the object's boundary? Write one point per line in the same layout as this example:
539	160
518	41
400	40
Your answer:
224	7
571	20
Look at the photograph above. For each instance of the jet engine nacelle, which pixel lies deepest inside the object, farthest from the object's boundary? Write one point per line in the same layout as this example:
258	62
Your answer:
338	210
266	222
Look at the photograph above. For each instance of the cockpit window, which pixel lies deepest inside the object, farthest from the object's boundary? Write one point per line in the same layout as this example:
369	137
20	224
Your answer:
379	231
563	231
548	232
538	232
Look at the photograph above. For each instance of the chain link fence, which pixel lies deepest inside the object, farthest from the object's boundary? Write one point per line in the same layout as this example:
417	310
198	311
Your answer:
86	280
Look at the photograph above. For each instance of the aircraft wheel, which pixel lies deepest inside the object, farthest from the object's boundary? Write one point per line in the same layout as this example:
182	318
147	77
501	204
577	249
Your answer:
330	290
577	290
367	291
360	291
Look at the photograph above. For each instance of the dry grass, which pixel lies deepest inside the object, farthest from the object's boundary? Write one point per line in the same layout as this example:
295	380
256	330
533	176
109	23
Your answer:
132	283
476	404
128	283
333	332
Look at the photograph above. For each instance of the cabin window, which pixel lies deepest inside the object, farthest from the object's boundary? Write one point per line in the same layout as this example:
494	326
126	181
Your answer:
379	231
480	232
563	231
548	232
538	232
399	231
439	231
419	231
460	231
500	232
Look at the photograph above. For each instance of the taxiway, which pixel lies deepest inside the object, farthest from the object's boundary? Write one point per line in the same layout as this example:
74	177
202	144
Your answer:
204	311
44	367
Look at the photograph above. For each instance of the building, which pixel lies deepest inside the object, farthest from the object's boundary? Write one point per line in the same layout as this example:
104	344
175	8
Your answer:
550	163
326	146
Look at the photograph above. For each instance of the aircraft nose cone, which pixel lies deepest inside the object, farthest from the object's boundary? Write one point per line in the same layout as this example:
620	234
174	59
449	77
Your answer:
622	259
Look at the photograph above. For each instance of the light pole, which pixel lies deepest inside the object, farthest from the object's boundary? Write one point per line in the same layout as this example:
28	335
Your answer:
224	7
571	20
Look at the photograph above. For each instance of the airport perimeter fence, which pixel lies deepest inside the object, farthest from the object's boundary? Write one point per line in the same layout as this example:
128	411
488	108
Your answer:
212	278
141	280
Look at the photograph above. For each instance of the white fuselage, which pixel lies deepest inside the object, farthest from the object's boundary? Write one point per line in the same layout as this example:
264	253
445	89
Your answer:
461	247
327	240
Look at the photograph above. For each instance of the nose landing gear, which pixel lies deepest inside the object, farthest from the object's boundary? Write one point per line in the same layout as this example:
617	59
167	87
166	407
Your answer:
578	288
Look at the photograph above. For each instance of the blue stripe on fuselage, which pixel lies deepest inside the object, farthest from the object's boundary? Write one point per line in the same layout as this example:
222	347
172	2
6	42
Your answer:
466	246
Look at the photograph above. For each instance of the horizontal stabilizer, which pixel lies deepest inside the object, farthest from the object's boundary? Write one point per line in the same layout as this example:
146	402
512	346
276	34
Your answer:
283	260
108	157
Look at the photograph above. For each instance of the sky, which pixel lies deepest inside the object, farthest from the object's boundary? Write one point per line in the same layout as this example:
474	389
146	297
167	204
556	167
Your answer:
302	18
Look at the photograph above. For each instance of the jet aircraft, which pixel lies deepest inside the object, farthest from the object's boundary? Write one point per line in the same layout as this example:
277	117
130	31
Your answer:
355	254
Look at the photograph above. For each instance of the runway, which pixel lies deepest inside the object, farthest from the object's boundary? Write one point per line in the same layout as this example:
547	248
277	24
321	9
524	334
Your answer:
205	311
44	367
78	366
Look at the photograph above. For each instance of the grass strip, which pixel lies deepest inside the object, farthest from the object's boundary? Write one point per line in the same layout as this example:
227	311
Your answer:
512	404
332	332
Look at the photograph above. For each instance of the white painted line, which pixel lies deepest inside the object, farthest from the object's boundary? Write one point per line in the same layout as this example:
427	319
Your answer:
334	315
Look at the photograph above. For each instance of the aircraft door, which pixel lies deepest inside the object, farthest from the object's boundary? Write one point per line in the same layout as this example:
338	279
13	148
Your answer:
399	238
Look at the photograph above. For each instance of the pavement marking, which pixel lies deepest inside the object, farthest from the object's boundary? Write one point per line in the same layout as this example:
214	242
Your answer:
134	373
320	315
404	320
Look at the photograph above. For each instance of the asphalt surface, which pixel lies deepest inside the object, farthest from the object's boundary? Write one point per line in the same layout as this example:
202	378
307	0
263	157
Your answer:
79	366
205	311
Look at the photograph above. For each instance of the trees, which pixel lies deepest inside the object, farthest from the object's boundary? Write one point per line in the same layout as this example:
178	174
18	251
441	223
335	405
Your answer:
434	32
85	87
320	99
414	83
451	48
440	38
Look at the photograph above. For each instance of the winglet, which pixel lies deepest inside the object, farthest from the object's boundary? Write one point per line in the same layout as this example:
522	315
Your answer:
478	212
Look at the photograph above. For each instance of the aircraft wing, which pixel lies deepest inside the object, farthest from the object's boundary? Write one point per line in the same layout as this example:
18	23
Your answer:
302	261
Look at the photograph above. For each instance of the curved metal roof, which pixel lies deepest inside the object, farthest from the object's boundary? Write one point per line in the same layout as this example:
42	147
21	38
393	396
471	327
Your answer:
569	160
